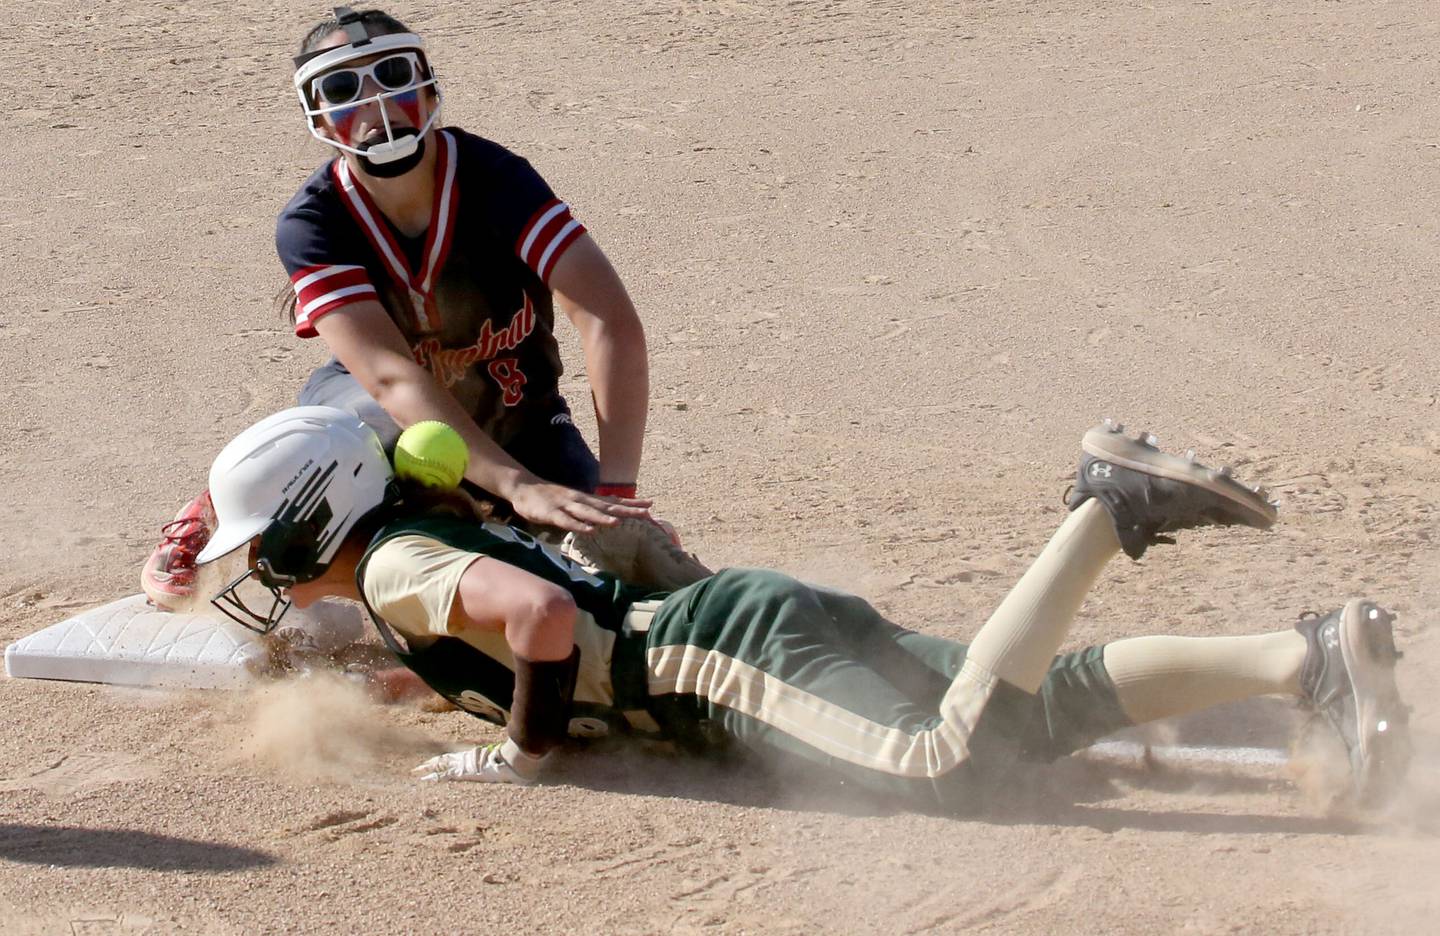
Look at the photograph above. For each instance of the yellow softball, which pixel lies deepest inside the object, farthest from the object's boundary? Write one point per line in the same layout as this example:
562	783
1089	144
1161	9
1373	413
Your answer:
431	453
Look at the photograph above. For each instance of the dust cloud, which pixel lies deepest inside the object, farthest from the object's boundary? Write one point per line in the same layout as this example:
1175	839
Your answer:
323	725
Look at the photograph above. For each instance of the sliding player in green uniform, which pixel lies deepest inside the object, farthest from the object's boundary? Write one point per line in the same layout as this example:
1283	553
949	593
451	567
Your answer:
513	632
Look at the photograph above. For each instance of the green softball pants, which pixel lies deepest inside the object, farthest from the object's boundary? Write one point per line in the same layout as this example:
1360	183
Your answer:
792	670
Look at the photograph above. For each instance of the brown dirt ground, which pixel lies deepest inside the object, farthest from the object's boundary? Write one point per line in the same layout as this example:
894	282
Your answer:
893	257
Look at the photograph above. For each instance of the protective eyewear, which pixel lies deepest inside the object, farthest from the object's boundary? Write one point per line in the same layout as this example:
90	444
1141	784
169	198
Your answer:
398	72
314	68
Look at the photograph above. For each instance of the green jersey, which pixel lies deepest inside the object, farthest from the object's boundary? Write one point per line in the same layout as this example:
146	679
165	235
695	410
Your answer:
480	678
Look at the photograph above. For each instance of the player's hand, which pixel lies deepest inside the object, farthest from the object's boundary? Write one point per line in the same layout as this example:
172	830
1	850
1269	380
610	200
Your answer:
620	491
574	511
504	762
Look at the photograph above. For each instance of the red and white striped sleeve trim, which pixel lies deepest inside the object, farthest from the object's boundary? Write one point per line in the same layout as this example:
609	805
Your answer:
320	290
549	232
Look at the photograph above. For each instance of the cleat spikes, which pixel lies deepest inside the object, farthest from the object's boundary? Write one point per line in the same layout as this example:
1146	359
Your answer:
1150	493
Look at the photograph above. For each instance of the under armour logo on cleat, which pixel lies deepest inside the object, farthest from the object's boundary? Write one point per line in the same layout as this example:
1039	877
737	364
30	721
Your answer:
1100	469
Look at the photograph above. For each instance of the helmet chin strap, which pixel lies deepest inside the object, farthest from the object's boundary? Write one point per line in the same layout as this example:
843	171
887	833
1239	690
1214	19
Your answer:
393	158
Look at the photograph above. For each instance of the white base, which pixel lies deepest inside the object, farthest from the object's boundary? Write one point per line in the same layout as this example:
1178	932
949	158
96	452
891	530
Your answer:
130	643
1183	756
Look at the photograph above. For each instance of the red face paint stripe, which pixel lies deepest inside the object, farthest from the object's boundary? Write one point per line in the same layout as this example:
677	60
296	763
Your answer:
409	105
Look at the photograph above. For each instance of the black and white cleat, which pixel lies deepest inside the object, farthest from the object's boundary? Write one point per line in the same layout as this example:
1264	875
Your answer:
1150	493
1349	680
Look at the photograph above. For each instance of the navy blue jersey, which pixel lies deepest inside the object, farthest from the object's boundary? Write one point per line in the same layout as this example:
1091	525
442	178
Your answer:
471	296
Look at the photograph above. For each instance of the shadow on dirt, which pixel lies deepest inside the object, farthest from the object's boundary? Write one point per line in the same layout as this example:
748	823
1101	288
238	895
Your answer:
74	847
1071	792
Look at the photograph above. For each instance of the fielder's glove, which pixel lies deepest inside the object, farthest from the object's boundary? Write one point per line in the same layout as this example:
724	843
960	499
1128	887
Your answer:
504	762
638	551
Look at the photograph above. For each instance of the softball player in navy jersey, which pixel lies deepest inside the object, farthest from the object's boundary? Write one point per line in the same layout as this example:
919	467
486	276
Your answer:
515	633
431	261
469	297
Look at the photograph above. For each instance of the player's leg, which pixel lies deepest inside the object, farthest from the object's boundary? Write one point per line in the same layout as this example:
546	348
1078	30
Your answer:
1163	677
332	385
1019	640
758	654
1341	665
1097	691
1127	495
1075	705
921	666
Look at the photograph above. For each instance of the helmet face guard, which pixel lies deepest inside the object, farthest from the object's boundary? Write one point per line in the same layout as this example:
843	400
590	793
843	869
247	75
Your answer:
233	603
400	76
285	554
291	488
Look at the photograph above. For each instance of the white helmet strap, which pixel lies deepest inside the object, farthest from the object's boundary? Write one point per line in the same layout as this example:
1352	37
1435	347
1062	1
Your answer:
356	31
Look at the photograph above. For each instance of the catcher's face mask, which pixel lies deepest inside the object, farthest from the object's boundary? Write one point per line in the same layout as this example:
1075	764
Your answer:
386	72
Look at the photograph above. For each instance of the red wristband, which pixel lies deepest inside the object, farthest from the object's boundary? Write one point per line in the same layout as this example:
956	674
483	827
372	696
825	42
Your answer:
615	490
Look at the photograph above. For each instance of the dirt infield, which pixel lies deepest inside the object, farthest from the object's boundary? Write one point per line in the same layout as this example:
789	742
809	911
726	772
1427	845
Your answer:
893	258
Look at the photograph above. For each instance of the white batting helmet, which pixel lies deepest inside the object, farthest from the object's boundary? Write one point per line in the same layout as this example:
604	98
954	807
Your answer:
294	484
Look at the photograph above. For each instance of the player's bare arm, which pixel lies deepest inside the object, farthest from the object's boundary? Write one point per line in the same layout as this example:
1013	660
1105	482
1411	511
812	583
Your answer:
591	294
366	341
538	621
536	617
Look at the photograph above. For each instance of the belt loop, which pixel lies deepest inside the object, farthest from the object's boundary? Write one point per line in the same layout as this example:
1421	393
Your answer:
629	671
640	616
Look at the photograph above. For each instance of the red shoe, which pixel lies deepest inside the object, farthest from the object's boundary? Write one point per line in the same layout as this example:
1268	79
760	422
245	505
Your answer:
169	574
